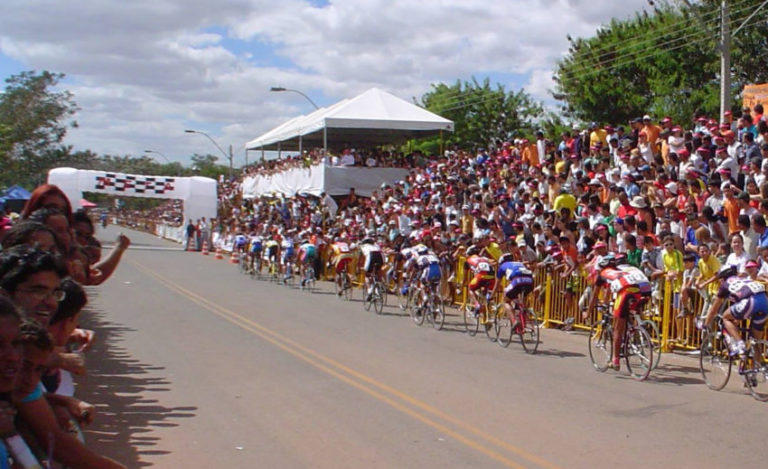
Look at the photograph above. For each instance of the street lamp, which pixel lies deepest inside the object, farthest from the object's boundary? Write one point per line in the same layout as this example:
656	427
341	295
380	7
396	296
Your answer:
229	157
157	152
280	88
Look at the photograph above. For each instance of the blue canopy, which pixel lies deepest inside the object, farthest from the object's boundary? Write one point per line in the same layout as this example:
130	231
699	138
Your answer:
16	193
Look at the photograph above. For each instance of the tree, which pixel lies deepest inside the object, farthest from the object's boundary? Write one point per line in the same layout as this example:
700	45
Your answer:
34	119
481	114
664	63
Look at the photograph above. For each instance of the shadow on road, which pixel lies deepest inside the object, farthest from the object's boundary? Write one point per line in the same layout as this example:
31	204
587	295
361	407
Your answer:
121	389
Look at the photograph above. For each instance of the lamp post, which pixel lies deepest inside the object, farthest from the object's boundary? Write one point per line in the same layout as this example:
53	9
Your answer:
158	153
229	157
280	88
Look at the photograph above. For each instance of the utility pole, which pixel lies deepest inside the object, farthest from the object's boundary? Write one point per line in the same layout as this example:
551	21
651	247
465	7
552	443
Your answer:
725	60
231	155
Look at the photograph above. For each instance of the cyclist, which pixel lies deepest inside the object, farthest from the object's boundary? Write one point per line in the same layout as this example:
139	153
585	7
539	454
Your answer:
272	248
409	256
288	253
240	243
341	256
631	288
307	256
482	268
256	245
748	301
429	265
372	262
519	283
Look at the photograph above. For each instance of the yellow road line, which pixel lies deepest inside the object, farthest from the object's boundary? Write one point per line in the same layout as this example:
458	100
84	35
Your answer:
325	363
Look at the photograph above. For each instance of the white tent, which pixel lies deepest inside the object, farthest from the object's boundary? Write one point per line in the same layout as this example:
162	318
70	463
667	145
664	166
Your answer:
372	118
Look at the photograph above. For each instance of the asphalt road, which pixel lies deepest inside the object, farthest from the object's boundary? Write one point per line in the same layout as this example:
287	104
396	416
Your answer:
199	366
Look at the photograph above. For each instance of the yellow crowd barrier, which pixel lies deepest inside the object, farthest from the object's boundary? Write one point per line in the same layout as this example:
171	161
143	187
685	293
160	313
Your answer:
555	300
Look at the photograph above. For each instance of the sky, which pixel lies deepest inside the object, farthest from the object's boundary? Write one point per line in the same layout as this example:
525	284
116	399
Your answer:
143	71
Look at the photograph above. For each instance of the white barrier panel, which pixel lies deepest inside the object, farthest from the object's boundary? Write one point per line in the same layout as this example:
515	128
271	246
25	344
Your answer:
320	178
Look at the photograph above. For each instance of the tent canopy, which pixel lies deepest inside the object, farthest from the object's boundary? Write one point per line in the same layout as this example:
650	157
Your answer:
87	203
16	193
372	118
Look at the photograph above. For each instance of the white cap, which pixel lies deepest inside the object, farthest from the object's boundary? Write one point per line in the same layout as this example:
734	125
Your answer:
646	117
672	187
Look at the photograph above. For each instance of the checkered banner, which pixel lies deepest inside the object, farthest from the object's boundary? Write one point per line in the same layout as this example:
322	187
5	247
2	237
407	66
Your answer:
128	184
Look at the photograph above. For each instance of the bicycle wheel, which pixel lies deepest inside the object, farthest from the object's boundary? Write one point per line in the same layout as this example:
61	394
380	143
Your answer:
653	331
241	265
438	315
490	321
404	299
638	352
347	287
756	371
338	285
715	361
504	329
416	311
601	345
528	330
378	297
471	321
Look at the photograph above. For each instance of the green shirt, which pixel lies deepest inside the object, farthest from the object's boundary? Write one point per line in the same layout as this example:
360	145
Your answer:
635	257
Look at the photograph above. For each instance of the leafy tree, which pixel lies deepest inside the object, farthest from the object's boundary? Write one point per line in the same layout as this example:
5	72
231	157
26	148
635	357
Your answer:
481	114
34	119
664	63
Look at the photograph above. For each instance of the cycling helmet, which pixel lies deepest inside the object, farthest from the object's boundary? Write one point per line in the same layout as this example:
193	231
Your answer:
421	249
472	250
607	261
367	240
506	258
621	259
726	271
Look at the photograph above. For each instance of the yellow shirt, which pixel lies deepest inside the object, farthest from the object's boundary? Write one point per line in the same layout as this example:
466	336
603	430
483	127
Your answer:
565	200
707	270
674	262
494	251
466	224
598	136
531	155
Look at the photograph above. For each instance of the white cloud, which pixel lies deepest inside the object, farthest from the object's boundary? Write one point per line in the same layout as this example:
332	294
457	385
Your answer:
143	71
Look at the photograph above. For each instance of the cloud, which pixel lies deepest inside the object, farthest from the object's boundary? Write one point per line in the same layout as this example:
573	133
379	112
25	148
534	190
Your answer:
143	71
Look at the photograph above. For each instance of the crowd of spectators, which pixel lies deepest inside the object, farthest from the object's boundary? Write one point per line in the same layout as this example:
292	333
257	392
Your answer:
49	253
677	198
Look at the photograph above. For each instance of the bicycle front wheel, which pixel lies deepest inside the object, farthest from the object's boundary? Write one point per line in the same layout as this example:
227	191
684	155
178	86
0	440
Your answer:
653	332
601	345
438	315
714	361
755	371
378	297
347	287
638	353
528	330
471	321
504	329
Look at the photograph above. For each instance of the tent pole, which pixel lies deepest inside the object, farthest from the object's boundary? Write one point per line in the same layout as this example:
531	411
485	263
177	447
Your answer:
325	142
279	153
441	143
263	158
300	146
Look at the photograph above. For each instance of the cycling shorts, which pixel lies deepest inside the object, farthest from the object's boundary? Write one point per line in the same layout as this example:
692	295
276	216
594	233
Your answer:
271	252
755	308
629	299
288	254
342	261
482	280
255	248
431	273
519	285
372	261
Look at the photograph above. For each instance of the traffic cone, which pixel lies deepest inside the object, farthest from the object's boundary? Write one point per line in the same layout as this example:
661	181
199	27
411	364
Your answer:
205	248
218	254
233	258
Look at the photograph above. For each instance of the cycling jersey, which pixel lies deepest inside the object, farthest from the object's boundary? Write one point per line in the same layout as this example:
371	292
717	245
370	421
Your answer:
256	244
737	288
430	265
341	255
372	256
630	285
307	252
519	279
287	246
748	300
240	241
483	270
